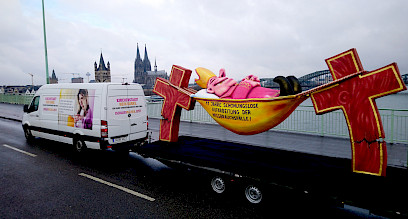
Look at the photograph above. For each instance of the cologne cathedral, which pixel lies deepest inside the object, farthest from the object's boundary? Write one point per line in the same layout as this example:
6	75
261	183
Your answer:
143	71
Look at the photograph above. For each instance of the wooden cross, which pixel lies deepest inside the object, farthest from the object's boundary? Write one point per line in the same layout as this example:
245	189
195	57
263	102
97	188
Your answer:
356	98
176	96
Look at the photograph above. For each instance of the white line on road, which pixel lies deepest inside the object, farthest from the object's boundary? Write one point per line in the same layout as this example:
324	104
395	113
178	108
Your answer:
140	195
21	151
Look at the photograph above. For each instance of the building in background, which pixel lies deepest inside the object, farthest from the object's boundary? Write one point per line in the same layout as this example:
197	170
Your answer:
143	73
53	78
77	80
102	73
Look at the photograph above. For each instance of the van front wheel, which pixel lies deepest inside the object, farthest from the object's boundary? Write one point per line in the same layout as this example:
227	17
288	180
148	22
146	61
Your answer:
27	134
79	146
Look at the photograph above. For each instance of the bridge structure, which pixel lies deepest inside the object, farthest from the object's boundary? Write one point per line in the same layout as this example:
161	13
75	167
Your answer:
312	80
405	78
307	82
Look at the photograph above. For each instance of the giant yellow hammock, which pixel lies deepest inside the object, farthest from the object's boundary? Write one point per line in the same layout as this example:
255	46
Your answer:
253	116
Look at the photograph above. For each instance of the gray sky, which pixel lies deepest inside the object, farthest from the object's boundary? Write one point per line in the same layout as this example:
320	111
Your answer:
265	38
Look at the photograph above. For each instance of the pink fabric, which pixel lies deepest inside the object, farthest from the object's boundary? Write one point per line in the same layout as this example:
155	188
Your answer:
249	87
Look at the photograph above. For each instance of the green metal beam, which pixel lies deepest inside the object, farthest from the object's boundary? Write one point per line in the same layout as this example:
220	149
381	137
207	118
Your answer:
45	46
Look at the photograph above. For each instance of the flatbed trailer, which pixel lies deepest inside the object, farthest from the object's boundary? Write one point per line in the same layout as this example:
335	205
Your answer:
257	171
367	180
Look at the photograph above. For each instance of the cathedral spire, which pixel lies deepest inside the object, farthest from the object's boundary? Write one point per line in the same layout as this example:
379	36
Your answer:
146	62
137	53
145	54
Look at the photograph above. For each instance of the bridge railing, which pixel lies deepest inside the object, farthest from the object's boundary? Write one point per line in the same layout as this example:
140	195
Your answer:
305	120
16	98
302	120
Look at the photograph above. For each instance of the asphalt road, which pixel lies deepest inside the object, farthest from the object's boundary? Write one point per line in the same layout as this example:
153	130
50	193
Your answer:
46	179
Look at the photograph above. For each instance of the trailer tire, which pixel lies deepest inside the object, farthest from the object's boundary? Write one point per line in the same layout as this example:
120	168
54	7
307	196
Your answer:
253	194
218	185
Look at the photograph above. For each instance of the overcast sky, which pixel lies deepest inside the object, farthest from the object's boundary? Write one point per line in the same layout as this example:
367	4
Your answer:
265	38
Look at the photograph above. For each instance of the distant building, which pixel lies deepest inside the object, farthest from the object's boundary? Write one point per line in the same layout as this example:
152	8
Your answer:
77	80
102	73
53	78
143	73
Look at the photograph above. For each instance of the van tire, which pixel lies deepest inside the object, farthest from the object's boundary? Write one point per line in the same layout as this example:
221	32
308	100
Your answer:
79	145
27	134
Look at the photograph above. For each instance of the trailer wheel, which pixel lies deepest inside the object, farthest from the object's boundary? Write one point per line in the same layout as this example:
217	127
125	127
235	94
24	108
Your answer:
79	145
218	185
253	194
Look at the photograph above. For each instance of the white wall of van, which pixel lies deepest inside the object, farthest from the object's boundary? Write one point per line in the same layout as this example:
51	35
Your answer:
91	115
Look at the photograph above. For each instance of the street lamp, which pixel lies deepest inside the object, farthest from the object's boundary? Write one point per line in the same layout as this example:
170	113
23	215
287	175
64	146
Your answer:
45	46
32	79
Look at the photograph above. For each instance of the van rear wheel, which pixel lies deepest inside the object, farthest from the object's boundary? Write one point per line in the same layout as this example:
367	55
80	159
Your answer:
79	146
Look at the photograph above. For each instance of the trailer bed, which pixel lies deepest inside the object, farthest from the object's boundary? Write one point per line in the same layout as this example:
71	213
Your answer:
328	177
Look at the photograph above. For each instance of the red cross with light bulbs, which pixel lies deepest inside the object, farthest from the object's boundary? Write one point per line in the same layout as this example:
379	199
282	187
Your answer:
176	96
356	98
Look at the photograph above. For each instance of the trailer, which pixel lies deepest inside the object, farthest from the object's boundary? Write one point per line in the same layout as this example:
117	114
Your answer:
256	169
258	173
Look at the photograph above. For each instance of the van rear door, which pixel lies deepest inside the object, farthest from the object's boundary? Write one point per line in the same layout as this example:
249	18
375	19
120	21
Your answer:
126	113
117	113
138	112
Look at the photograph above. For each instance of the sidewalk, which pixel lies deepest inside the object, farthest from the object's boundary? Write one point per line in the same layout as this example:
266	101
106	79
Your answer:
11	111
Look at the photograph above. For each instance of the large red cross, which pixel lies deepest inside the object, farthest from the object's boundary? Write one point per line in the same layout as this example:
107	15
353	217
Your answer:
356	98
175	98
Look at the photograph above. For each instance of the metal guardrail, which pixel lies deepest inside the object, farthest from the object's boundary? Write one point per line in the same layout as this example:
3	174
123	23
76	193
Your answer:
302	120
16	98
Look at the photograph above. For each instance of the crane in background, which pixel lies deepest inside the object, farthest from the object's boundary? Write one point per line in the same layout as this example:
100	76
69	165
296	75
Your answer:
32	79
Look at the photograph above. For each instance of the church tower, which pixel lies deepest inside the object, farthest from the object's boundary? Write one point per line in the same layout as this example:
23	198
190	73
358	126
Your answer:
146	62
143	71
53	78
102	73
139	69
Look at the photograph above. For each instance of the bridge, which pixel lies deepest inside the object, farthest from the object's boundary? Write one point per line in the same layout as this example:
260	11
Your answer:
312	80
307	82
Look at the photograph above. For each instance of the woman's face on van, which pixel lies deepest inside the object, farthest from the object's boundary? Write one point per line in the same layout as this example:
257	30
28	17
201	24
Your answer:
83	100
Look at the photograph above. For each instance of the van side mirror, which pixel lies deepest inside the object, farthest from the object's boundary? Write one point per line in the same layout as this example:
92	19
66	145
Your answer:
25	109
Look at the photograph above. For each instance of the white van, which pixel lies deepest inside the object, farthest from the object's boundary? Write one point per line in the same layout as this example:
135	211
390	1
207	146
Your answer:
95	115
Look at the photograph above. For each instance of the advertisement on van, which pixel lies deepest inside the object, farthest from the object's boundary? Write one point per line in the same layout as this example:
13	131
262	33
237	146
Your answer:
76	108
124	107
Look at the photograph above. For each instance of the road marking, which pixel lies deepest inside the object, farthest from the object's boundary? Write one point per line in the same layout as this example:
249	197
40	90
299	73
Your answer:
21	151
140	195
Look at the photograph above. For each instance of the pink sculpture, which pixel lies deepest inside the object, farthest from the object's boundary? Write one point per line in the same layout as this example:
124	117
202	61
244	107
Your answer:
228	88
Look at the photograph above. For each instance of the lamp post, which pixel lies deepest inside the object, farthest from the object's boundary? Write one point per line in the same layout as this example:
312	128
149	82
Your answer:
45	46
32	80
